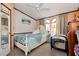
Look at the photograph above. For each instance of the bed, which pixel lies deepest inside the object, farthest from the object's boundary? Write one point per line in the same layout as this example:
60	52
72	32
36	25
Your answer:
27	42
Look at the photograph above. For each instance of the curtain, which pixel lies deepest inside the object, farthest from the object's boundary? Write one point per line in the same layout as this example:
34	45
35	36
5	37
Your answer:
57	25
62	23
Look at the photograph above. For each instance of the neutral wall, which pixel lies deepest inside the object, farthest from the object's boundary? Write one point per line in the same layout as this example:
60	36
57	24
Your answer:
19	27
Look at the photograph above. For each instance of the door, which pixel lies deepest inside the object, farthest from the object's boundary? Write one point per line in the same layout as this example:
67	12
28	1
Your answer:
51	26
4	31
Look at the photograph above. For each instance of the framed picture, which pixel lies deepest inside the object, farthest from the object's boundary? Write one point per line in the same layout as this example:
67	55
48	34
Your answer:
26	21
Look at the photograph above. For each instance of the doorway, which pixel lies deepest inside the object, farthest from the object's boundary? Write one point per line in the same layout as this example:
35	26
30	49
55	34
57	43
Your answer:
51	26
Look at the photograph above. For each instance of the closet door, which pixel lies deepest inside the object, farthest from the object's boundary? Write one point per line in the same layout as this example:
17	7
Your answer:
4	31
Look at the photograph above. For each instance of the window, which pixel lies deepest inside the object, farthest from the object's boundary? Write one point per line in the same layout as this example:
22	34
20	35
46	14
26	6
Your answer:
47	23
53	27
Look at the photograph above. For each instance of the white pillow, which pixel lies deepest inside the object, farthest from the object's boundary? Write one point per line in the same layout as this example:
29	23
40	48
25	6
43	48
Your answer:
36	31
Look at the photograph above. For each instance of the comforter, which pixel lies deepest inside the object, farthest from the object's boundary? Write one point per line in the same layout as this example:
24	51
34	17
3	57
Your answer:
33	39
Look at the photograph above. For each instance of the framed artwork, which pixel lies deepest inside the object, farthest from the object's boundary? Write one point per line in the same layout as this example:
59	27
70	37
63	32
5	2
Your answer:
26	21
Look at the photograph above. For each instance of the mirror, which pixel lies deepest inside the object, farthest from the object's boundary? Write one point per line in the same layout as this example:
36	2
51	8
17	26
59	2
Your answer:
5	27
4	31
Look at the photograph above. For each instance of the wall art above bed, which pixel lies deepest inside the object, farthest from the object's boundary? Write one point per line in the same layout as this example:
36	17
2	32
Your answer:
26	21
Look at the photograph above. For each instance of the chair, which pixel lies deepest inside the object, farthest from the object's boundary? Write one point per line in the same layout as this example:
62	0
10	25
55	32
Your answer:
59	40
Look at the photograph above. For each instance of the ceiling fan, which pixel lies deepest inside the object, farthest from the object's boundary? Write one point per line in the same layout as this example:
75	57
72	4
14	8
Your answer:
38	6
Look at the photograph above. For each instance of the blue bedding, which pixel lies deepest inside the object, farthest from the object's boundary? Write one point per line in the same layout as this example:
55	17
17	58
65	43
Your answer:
33	39
20	38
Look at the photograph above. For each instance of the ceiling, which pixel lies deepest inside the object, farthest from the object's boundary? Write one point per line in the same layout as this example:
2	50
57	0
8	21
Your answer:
41	10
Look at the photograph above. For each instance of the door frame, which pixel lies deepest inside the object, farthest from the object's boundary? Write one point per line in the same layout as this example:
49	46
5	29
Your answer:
9	22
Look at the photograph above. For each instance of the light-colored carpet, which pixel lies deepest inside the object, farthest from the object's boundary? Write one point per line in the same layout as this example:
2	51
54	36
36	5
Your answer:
43	50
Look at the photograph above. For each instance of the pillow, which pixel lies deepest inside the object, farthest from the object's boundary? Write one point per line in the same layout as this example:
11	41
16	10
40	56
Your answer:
36	31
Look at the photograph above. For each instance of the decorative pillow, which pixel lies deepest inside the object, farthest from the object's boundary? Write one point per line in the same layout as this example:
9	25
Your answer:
36	31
